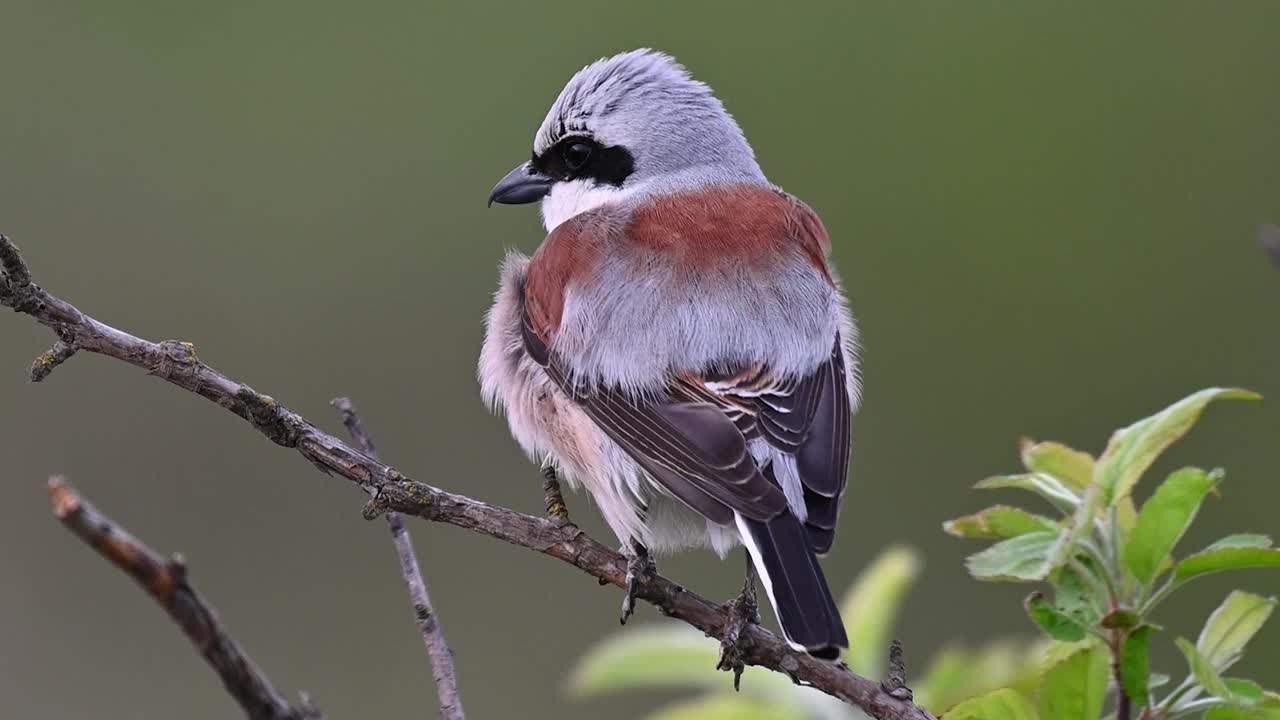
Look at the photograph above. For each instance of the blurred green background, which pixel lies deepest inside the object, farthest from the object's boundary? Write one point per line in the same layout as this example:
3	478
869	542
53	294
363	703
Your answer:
1044	213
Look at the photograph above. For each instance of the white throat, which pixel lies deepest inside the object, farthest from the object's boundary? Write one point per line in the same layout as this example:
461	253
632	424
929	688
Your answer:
575	197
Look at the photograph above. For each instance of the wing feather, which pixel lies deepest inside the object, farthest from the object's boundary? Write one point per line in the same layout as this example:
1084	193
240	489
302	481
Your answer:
694	438
688	445
806	418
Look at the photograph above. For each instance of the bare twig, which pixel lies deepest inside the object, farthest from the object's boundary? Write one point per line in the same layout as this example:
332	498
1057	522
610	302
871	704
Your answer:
165	580
428	624
895	682
176	362
46	361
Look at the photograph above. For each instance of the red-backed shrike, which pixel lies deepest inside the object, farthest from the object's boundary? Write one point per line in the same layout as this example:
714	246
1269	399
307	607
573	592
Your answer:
679	345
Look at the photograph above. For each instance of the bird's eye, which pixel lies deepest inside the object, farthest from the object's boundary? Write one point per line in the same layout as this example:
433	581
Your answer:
576	155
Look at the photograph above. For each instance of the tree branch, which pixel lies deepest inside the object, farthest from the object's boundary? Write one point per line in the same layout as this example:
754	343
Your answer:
896	682
176	362
428	624
165	580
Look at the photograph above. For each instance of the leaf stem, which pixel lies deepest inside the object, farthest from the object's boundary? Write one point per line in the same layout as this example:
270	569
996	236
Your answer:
1168	704
1098	556
1158	596
1192	708
1113	542
1124	705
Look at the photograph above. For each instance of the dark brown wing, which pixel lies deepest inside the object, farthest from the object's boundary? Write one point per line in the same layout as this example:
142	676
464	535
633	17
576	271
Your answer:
689	446
822	459
807	418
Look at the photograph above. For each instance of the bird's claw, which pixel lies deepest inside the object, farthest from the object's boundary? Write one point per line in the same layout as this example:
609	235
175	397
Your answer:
640	569
743	611
552	497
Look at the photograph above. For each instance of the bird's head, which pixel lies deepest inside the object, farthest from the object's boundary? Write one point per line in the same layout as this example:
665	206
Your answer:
625	125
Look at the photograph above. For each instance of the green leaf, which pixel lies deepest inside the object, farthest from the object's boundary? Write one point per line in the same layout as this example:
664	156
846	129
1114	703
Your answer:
1242	540
1078	527
1236	691
1231	626
1164	518
1266	711
1131	450
1203	670
1073	595
1075	687
999	521
1123	515
1034	555
1046	486
1056	623
1265	708
652	656
676	656
1245	692
1023	558
1135	669
724	706
1073	467
666	655
1126	517
871	605
1212	559
1002	704
955	674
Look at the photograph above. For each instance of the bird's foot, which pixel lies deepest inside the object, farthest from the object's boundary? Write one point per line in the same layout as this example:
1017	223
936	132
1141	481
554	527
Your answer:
743	611
640	569
551	495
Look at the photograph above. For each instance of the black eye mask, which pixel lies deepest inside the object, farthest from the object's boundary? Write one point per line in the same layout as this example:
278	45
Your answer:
577	157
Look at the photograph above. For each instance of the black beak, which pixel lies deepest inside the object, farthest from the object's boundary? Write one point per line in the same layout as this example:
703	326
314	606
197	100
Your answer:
522	185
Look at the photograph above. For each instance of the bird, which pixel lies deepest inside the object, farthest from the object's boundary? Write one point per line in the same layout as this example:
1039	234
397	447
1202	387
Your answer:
679	346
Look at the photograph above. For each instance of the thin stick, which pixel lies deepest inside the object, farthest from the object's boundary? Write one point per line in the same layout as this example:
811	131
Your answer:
176	363
895	682
165	580
428	624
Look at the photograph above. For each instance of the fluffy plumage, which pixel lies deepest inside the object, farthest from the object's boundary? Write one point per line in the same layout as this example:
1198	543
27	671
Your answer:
679	345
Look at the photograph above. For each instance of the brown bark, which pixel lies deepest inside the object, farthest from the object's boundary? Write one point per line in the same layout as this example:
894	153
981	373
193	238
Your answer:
165	580
441	657
176	362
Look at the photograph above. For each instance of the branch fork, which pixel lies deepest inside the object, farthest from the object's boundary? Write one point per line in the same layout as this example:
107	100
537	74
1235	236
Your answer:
554	536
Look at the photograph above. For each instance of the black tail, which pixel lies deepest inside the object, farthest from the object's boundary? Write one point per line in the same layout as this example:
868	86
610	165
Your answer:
790	572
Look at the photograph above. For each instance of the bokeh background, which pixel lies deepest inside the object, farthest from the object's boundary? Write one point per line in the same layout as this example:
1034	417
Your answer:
1044	213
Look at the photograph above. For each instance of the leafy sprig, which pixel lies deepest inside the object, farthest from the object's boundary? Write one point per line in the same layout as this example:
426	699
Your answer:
1108	566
